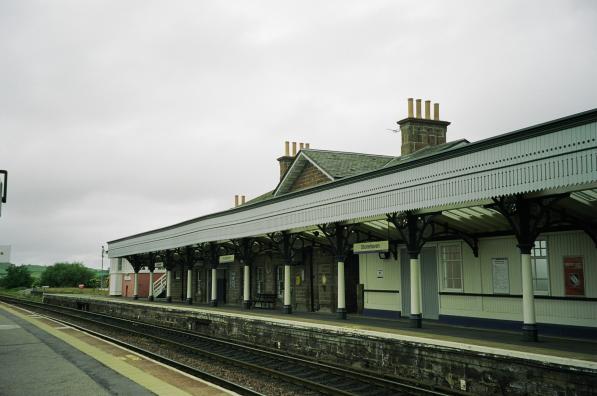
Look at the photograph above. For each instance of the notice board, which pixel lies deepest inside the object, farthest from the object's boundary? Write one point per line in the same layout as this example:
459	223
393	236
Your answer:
574	276
501	275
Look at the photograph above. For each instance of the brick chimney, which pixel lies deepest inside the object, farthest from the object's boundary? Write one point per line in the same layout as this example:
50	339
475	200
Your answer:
418	132
286	160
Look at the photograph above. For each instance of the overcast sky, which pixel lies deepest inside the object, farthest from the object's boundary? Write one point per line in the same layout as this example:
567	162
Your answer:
117	117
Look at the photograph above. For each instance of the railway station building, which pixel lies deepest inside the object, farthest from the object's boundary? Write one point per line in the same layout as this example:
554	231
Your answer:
497	233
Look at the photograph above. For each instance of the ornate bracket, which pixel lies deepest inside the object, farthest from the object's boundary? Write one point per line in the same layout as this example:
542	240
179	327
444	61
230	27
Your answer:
414	229
338	236
283	242
527	217
136	261
246	249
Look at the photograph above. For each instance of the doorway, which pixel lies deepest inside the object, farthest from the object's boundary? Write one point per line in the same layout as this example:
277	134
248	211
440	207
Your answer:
351	281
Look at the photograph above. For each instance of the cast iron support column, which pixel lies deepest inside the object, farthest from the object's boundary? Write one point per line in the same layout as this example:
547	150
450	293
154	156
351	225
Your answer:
529	324
415	230
214	288
283	241
169	285
136	286
416	314
528	218
338	236
341	311
150	297
247	287
189	285
287	302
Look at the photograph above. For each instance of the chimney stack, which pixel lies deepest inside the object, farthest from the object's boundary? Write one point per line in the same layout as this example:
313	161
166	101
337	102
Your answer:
418	132
286	159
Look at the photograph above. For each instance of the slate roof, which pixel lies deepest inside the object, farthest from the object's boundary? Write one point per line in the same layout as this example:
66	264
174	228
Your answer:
339	164
342	164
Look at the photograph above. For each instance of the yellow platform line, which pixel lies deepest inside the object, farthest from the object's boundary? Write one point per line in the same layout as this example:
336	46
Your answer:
147	381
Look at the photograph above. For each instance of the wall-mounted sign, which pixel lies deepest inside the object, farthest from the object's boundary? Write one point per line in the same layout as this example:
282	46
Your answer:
380	273
501	275
229	258
574	276
371	247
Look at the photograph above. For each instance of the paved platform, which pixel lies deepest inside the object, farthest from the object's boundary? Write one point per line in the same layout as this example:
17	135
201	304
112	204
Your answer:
43	357
557	350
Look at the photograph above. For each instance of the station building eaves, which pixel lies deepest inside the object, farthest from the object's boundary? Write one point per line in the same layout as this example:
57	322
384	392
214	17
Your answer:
318	204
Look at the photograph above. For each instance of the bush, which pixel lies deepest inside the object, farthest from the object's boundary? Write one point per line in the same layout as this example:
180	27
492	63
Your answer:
67	275
16	277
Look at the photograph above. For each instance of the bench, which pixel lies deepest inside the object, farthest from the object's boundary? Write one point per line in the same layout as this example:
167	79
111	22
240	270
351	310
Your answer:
265	300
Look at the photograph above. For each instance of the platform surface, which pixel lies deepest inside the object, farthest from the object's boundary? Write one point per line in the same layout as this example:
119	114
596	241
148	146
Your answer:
580	353
43	357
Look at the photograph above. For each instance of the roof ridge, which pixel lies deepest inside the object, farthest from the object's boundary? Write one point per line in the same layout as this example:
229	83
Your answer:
349	152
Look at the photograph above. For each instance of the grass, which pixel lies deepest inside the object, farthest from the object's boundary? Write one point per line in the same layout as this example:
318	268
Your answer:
75	290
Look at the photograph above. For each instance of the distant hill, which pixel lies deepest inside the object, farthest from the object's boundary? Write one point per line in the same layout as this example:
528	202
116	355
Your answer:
35	270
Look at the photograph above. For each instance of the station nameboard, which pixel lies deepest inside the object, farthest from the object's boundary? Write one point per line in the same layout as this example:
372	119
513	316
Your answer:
371	247
229	258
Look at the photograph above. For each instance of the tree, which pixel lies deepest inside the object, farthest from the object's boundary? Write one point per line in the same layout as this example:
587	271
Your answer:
67	275
16	277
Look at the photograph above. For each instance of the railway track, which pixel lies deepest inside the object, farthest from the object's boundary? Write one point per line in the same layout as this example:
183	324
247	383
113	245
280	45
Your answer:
311	376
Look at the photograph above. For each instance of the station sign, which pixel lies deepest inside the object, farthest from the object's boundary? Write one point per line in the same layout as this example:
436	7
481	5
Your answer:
371	247
229	258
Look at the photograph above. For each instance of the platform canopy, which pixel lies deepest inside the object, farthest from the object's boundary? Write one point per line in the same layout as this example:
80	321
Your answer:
557	158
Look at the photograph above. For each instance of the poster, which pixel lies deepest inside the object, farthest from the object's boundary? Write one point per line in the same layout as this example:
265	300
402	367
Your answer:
574	276
501	276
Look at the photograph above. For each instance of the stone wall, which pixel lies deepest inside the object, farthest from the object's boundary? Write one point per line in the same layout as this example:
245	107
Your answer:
443	367
310	176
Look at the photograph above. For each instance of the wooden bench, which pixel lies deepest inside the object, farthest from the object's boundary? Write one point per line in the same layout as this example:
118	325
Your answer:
265	300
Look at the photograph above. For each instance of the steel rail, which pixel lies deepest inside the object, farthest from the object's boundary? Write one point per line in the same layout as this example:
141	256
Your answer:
211	378
355	382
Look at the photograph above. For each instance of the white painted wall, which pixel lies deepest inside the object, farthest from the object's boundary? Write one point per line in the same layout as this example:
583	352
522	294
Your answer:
478	279
369	264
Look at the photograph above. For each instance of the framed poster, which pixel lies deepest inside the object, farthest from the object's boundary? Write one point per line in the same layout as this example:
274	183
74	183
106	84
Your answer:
501	275
574	276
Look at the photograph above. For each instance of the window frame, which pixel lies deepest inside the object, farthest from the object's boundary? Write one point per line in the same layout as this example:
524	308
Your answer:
260	280
545	248
444	268
280	280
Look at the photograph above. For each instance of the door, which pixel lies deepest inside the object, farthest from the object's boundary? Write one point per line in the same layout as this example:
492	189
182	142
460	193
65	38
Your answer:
221	290
351	279
429	292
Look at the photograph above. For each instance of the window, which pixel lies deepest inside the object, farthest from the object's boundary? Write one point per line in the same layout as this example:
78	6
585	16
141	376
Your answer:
119	264
260	280
540	267
450	257
280	281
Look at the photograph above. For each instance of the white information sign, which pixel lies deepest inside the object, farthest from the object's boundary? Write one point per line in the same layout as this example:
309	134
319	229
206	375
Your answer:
371	247
501	276
229	258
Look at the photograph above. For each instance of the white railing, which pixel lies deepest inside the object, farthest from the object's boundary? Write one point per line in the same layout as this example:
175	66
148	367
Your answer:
159	285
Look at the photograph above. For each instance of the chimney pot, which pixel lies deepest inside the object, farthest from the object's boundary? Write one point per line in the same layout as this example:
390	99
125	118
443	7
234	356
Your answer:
287	148
418	108
242	201
307	145
436	111
293	149
410	108
235	201
428	109
302	145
